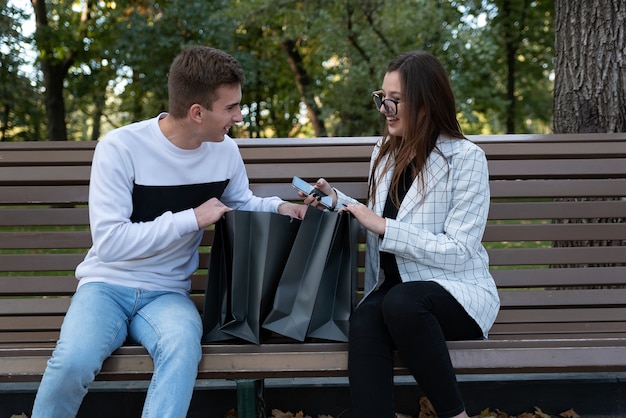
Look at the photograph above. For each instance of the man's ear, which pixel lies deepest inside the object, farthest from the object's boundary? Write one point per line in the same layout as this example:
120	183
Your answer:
195	112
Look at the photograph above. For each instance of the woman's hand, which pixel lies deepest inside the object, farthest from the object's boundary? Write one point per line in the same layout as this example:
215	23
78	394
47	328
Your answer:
313	199
367	218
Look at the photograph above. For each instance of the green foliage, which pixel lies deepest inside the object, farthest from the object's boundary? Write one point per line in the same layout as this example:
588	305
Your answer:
305	61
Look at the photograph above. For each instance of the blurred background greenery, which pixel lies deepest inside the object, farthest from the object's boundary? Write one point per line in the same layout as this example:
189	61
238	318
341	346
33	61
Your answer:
74	69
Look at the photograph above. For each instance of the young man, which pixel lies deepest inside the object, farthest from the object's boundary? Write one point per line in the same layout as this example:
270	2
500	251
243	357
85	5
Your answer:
155	185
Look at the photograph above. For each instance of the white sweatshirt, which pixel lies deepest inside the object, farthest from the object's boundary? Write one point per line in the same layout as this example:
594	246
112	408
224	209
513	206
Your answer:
142	193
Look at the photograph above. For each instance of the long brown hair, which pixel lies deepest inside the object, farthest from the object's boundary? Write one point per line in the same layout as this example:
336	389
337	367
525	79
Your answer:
430	111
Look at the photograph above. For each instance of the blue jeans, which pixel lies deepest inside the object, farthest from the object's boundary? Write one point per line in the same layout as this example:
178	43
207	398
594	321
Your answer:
99	320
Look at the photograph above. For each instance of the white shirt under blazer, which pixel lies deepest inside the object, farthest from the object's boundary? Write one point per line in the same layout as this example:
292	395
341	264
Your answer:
437	235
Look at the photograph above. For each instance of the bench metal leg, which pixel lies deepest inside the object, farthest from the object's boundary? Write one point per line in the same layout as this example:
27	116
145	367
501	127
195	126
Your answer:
250	403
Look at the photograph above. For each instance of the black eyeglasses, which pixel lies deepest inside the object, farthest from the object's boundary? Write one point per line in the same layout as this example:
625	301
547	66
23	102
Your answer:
391	105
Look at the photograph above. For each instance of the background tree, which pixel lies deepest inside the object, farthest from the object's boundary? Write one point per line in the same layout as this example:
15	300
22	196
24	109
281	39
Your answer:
590	66
590	77
508	64
60	38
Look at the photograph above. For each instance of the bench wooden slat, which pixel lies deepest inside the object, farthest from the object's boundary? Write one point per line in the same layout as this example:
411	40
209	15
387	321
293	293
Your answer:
555	232
38	157
542	315
541	298
341	153
40	240
557	188
597	328
525	151
556	277
562	139
554	169
28	339
45	146
571	255
37	285
557	210
37	175
44	216
31	323
40	262
50	195
35	306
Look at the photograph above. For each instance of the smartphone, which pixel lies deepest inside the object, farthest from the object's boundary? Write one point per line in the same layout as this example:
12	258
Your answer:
306	188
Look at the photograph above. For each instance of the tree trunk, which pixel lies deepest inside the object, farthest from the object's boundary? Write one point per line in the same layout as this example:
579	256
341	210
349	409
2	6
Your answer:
53	76
303	82
54	68
98	112
590	66
512	23
590	78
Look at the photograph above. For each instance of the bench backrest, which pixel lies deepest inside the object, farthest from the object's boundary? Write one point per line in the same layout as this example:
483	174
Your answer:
558	262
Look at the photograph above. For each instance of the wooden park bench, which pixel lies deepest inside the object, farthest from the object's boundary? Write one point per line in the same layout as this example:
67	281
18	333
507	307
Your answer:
556	249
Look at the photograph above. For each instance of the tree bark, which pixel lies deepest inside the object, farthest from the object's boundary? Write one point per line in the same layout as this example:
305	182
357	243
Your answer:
590	66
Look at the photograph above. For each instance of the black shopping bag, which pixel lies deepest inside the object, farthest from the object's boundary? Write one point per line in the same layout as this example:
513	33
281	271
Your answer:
316	279
336	296
249	252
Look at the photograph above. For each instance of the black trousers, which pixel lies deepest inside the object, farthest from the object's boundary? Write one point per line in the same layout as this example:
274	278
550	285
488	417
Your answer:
416	318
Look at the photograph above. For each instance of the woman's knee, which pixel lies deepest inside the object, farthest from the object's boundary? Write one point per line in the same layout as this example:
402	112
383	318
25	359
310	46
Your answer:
366	318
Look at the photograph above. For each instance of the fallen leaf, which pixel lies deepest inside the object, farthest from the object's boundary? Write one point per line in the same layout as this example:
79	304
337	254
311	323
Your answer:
569	414
277	413
426	408
540	414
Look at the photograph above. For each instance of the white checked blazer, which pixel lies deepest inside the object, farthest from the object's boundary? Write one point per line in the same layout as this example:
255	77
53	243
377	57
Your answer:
437	235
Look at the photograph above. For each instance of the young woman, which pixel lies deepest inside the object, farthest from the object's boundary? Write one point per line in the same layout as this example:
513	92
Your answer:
427	273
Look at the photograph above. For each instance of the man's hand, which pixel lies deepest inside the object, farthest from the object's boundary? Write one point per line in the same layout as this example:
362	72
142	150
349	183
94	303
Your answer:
293	210
210	212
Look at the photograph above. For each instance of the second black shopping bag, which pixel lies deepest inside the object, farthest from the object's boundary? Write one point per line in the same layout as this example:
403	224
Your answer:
317	289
